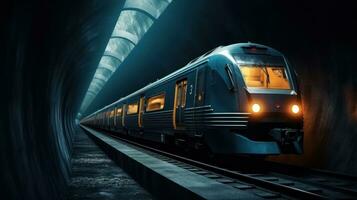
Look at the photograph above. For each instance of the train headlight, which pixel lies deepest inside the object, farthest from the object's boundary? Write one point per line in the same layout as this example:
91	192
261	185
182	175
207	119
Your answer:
256	108
295	109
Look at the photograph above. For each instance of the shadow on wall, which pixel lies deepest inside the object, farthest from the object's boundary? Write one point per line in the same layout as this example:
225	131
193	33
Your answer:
330	111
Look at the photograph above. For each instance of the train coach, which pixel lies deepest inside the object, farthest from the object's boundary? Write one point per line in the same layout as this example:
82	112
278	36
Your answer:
241	99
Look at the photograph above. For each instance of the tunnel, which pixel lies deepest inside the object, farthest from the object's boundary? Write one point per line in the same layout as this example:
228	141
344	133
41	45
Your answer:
55	73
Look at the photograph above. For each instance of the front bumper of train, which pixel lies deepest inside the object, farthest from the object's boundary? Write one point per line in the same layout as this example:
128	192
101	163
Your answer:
283	141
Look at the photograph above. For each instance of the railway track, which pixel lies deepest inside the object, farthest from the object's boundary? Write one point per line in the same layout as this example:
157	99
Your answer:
277	181
334	181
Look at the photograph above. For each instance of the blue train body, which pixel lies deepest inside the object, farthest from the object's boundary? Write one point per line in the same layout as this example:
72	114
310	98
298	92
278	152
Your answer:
238	99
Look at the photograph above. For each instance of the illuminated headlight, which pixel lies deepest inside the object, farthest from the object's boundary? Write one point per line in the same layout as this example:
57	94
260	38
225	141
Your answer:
256	108
295	109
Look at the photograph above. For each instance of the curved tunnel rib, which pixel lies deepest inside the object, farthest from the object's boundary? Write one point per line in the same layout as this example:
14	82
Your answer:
134	21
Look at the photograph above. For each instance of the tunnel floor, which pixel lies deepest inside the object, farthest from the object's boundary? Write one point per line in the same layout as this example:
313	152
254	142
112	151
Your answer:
96	176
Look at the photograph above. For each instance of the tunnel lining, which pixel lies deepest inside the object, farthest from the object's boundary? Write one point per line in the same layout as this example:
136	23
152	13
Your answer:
135	19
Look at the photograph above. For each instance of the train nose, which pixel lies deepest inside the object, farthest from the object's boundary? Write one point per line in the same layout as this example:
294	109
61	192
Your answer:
287	106
265	104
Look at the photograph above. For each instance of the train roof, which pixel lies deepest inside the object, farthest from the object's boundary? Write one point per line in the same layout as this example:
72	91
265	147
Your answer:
233	48
242	47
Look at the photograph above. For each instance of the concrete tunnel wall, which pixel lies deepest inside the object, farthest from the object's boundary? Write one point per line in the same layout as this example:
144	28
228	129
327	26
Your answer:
53	48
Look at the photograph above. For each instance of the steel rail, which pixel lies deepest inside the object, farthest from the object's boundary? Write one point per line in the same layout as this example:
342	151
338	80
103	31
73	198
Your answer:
283	189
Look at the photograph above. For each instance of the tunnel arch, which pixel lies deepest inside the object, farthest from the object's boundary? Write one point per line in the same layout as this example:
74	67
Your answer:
135	19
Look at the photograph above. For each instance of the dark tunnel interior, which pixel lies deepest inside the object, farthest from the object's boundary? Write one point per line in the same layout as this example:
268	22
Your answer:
52	49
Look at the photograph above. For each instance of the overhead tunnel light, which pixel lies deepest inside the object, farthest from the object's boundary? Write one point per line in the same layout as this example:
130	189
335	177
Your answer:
134	21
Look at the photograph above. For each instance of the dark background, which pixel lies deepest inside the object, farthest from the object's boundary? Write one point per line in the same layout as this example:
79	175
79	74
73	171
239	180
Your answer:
51	50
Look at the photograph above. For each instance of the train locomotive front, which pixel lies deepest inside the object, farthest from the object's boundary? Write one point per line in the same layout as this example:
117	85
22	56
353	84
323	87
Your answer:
264	97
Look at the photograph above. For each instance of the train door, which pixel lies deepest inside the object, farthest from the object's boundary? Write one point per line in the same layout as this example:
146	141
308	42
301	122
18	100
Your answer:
115	118
123	116
112	118
108	119
179	103
105	123
118	114
104	118
200	86
141	111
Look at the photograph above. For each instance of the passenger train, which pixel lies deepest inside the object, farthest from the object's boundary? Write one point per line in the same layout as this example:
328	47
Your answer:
241	99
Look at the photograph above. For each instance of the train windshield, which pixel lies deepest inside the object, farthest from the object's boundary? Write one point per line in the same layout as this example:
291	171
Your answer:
267	73
265	77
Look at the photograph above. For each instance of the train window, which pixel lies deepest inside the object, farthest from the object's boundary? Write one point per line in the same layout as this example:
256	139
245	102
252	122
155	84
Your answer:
112	113
132	108
265	77
119	110
155	103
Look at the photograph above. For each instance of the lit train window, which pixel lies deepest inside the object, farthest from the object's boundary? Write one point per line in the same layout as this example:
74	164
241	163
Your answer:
156	103
119	110
265	77
132	108
112	113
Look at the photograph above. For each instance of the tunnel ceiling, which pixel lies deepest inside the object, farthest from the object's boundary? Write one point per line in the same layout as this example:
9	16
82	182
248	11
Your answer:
135	18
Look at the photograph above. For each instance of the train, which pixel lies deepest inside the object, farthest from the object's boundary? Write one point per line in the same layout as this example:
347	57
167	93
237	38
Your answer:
240	99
